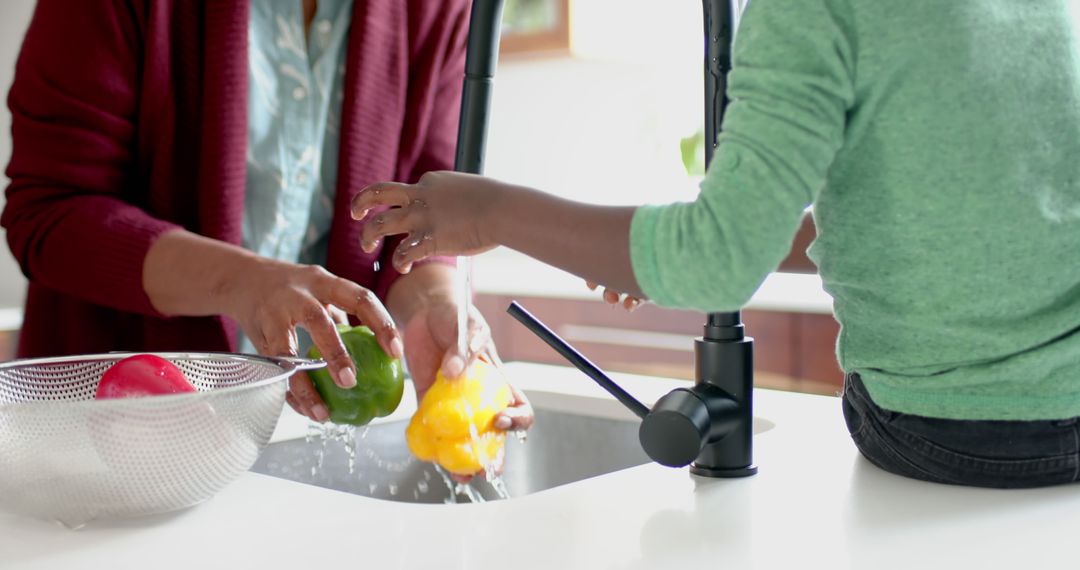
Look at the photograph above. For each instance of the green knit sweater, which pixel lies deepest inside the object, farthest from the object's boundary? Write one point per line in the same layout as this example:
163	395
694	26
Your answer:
939	143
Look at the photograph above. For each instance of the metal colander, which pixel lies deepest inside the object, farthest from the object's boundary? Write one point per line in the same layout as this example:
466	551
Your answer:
68	457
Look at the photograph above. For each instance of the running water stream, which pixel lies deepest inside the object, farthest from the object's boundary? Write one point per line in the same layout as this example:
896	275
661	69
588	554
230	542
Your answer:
463	290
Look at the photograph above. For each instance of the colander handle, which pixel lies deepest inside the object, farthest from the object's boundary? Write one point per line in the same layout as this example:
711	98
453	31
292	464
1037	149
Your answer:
295	364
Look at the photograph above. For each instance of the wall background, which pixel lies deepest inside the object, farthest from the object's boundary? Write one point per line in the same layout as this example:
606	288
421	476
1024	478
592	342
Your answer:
14	17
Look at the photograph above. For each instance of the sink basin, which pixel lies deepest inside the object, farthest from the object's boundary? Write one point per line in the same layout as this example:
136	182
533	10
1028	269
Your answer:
574	438
562	448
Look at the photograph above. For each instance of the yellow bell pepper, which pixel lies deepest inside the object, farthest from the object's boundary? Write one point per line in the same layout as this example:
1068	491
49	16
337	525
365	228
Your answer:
454	424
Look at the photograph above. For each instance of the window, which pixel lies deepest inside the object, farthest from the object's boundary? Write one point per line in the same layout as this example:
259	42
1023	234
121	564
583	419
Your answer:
535	26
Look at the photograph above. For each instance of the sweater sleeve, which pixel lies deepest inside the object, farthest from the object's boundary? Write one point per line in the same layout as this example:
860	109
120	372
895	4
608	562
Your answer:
70	218
791	87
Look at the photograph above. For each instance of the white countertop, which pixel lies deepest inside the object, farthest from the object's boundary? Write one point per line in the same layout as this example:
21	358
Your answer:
507	272
815	503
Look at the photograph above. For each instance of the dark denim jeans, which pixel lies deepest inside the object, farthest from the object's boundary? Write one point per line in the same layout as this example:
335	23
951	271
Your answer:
1003	454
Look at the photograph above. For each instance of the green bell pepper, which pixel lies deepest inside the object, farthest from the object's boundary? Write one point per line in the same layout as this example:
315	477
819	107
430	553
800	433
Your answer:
380	380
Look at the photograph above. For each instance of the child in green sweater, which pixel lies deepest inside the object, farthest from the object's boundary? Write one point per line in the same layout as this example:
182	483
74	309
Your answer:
939	143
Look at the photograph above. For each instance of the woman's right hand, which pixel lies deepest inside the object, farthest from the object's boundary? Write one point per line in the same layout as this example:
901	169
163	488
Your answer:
186	274
269	299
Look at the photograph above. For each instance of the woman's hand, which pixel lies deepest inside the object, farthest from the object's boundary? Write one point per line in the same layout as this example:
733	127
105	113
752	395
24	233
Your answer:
431	343
445	213
270	299
425	302
185	274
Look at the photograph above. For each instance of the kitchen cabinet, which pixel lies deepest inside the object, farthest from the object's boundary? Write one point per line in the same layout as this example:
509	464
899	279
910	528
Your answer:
8	342
792	350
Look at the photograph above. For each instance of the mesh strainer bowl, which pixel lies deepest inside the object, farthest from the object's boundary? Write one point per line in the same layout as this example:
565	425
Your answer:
67	457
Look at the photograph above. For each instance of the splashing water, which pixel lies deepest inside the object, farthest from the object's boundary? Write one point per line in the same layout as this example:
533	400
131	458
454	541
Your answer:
499	485
491	474
346	435
452	499
320	455
470	492
352	439
463	289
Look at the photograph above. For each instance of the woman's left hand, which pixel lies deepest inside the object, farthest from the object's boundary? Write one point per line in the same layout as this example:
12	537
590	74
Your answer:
431	343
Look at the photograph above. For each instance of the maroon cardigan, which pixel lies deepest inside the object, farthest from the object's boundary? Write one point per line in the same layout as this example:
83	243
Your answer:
129	118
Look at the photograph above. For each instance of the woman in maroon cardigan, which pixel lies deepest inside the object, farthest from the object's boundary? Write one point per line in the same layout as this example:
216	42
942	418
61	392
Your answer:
125	209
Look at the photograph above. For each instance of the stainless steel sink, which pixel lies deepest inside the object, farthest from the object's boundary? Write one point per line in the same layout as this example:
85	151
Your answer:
562	448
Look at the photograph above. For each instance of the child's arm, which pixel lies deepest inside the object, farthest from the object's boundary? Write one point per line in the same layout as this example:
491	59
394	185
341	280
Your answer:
467	214
791	89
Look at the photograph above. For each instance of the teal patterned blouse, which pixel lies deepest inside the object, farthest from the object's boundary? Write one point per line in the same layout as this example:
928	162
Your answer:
295	89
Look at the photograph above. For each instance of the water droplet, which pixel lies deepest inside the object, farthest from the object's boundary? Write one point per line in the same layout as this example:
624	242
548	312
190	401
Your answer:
452	499
499	485
470	492
349	435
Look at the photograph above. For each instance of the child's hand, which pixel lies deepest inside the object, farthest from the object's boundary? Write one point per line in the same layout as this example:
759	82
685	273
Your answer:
445	213
613	297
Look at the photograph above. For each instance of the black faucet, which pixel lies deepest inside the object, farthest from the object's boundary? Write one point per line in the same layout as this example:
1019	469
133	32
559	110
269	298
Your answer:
709	425
710	422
